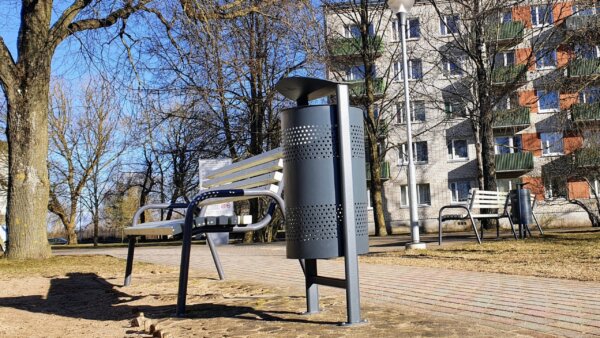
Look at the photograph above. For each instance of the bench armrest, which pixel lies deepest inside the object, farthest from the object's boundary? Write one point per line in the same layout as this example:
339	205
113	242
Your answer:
139	211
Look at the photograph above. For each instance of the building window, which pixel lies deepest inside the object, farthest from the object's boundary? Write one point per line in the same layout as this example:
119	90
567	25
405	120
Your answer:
506	16
454	109
508	144
547	101
420	155
588	52
458	150
587	10
449	24
594	183
552	144
357	72
541	15
591	138
555	187
459	191
415	70
545	58
353	31
413	29
369	200
506	184
417	112
505	59
452	67
507	102
423	195
589	95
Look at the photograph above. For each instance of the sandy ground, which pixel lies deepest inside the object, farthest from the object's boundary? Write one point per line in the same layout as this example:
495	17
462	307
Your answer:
93	304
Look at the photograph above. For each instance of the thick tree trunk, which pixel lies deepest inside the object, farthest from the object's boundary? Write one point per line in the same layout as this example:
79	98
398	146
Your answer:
28	182
375	190
96	223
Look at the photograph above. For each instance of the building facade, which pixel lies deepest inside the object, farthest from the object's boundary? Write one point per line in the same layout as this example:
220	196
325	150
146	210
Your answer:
540	65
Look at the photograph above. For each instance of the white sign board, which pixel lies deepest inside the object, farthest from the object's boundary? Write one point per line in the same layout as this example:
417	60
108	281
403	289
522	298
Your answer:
223	209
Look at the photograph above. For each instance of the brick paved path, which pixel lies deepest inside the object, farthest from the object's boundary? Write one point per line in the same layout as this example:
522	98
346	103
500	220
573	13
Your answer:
544	305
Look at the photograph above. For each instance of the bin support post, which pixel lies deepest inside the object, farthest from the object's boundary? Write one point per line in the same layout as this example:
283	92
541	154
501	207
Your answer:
312	288
350	252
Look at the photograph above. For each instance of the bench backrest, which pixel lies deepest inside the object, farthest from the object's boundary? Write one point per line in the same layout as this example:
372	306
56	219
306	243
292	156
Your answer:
484	199
260	172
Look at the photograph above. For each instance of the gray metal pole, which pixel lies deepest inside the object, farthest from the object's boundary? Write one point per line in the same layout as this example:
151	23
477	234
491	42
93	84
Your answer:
350	255
412	183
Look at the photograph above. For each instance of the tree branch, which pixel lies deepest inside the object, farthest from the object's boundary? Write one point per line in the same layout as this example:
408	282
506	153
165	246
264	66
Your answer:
7	66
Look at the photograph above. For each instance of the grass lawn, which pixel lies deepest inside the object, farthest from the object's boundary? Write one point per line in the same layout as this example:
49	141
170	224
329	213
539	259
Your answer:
556	255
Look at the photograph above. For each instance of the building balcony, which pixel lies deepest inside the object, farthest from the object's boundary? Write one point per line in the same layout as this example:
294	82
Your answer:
340	47
515	162
587	157
585	112
384	170
507	33
583	67
358	88
576	23
512	118
509	74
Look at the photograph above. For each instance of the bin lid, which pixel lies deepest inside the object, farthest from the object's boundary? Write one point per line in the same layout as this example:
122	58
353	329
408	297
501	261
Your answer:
304	89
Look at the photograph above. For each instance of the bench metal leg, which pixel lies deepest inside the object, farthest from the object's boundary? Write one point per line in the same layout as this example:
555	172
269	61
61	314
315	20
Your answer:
440	230
512	226
475	229
185	262
538	224
312	289
215	256
129	266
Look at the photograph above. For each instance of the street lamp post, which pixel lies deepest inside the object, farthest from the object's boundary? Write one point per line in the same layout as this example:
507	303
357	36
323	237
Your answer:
401	8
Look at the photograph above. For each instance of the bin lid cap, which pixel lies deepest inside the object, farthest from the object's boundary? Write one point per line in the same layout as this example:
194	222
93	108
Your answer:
304	89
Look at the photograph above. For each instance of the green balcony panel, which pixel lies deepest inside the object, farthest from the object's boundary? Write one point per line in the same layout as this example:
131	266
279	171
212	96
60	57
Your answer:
508	74
583	67
507	31
514	162
384	171
517	117
584	112
579	23
353	46
357	88
587	157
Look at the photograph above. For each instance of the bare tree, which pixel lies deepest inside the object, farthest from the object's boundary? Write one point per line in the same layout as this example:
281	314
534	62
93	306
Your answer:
81	146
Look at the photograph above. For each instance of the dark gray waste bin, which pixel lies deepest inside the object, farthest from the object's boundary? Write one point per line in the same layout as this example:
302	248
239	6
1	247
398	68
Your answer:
312	180
524	213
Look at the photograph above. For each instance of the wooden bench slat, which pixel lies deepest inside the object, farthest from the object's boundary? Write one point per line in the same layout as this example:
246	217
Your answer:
271	155
265	168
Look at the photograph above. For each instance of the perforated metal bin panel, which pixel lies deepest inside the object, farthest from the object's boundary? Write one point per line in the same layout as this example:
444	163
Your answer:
312	178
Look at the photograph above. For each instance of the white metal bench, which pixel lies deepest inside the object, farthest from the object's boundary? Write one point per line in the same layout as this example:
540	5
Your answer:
258	176
481	204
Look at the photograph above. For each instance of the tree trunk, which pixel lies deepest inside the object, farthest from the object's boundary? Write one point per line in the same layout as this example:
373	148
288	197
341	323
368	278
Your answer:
96	223
375	190
28	184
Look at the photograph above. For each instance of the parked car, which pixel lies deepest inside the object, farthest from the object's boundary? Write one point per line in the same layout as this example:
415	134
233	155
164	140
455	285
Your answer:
57	241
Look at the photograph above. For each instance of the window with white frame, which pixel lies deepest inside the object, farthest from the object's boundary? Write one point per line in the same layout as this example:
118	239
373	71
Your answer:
353	30
420	155
423	195
506	184
505	59
555	187
591	138
507	144
594	183
507	102
454	109
413	29
506	16
449	24
541	15
459	191
589	9
552	144
415	70
589	95
586	51
452	66
548	101
458	150
417	111
357	72
545	58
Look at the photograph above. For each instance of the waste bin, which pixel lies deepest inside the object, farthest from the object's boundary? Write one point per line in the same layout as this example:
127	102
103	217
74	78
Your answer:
520	201
313	182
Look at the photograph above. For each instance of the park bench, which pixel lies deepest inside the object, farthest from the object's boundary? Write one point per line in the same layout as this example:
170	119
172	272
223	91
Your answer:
257	176
481	204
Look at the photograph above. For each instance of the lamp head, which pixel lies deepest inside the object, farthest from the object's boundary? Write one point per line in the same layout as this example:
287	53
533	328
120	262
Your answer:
401	6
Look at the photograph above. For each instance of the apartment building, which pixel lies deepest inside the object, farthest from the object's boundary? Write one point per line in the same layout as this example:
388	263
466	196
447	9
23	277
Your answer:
542	70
